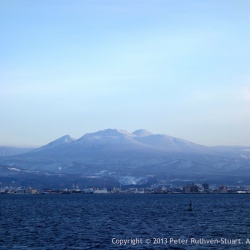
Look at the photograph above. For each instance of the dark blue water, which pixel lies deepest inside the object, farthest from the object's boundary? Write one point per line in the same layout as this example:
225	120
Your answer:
122	221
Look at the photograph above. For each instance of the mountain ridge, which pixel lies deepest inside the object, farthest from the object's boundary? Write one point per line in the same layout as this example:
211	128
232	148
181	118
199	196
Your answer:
122	155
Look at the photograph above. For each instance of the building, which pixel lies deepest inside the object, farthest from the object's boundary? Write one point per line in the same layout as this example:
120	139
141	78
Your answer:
190	189
101	191
30	191
26	191
205	187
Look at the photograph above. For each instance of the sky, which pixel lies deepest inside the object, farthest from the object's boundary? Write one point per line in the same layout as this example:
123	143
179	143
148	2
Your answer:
172	67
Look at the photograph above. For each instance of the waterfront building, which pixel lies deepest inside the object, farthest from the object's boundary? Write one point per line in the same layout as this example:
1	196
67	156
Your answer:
190	189
101	191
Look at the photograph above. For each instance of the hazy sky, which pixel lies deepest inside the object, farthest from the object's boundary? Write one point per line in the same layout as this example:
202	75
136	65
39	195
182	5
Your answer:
173	67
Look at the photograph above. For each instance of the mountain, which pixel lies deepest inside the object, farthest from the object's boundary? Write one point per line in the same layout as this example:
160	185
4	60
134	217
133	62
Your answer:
127	158
107	137
58	142
17	177
6	151
140	139
142	133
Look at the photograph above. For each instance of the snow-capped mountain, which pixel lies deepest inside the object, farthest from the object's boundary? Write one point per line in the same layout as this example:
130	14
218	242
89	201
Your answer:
133	157
140	139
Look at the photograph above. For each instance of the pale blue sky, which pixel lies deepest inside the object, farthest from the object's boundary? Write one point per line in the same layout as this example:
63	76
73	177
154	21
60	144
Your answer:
174	67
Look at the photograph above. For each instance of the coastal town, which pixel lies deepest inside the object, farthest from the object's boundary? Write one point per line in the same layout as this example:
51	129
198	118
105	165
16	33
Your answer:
187	189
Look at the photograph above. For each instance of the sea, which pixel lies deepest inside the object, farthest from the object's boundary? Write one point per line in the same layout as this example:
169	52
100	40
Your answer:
125	221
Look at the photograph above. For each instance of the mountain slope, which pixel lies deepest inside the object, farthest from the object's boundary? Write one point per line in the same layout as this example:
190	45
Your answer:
56	143
6	151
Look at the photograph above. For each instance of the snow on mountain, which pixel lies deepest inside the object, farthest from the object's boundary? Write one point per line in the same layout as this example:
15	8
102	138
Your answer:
142	133
107	133
142	139
171	144
108	137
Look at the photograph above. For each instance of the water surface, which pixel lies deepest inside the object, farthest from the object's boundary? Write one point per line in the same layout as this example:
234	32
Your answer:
124	221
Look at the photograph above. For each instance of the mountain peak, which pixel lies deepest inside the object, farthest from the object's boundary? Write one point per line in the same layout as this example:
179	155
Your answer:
142	133
112	132
107	133
65	139
107	137
58	142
